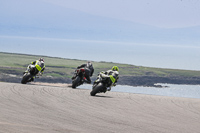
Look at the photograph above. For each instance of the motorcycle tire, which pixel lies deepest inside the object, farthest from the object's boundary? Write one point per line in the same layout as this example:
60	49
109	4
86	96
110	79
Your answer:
26	78
75	82
97	89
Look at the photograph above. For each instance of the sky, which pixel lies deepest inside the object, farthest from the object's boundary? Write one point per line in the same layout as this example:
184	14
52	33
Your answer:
164	14
159	13
159	56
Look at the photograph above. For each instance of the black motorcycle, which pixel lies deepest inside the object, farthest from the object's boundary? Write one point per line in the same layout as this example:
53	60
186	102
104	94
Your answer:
78	78
30	74
102	84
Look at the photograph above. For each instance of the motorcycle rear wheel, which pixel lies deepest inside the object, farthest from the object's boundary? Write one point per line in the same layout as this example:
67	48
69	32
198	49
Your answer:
26	78
99	88
75	82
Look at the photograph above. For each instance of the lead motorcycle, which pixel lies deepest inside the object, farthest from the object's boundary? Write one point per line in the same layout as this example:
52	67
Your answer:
31	73
78	78
103	84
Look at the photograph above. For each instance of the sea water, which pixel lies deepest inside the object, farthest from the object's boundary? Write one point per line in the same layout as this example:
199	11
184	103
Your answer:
174	90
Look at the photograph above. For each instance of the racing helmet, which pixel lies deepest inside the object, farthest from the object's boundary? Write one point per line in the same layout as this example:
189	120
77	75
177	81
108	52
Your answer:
115	68
89	64
41	59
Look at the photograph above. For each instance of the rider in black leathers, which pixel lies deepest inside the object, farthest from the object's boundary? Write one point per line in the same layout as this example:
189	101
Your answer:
89	70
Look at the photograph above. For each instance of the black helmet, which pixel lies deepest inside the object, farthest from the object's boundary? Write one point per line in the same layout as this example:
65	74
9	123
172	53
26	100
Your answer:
41	59
89	64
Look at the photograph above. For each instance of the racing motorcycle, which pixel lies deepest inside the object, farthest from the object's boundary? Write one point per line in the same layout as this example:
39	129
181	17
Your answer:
102	84
31	73
78	78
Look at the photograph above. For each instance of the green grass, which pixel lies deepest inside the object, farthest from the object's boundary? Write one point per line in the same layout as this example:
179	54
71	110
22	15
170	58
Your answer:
61	67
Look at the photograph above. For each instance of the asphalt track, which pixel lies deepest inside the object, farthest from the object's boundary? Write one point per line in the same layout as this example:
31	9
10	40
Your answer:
50	109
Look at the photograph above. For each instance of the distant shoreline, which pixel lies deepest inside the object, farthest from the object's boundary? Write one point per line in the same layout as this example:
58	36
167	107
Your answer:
124	80
60	70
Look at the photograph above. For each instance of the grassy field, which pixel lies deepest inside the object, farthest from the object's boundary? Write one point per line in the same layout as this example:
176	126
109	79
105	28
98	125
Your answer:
62	67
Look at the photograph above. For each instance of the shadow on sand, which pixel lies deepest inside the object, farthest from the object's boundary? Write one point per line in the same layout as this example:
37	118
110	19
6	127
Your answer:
102	96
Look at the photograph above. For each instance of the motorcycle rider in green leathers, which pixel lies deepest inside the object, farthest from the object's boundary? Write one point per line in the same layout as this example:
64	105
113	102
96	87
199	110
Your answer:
39	64
113	74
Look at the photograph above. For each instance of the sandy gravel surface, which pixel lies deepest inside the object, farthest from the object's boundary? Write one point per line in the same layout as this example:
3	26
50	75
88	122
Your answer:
61	109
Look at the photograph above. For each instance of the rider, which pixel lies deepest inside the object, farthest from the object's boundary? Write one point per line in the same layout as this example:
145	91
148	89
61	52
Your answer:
87	65
39	64
89	70
113	74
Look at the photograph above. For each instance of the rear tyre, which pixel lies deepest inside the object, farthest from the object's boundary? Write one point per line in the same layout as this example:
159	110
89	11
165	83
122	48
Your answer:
26	78
97	89
75	82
